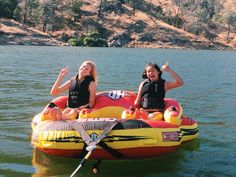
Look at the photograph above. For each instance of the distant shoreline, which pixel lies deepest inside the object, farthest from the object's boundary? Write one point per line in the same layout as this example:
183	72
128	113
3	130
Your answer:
14	33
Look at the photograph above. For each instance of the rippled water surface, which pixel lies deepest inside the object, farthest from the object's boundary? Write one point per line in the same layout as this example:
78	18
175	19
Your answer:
208	96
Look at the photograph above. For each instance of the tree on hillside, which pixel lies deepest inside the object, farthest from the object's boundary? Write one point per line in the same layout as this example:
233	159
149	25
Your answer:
109	6
228	20
135	4
207	10
21	11
99	11
199	16
7	8
27	12
178	12
48	13
75	8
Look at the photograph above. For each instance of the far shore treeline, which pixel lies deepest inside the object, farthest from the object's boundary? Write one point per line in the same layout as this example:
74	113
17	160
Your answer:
90	23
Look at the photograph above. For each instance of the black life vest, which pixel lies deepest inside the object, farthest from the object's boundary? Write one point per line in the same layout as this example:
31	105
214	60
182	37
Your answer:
79	92
153	94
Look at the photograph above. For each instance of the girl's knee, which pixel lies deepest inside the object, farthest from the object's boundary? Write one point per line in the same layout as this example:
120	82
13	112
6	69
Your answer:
72	114
156	116
56	113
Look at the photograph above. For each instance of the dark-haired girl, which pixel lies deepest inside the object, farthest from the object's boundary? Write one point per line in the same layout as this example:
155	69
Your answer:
152	90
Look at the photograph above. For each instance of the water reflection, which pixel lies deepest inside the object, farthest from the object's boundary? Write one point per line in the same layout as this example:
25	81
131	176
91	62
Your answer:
48	165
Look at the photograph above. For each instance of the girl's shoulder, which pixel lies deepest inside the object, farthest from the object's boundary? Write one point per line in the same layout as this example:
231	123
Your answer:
144	82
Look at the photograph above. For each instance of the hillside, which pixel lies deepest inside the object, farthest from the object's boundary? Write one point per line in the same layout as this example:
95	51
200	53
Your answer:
124	29
14	33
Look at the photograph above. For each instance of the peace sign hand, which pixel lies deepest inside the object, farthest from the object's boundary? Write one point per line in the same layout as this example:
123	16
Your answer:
64	71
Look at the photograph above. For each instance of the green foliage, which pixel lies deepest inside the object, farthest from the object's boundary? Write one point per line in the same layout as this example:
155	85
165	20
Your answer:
231	19
174	20
32	12
210	35
135	4
48	15
90	42
195	28
16	14
73	42
93	39
202	17
159	10
121	1
103	32
93	34
7	8
75	7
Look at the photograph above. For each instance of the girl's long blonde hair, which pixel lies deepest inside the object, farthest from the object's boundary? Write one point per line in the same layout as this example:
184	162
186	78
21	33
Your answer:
93	69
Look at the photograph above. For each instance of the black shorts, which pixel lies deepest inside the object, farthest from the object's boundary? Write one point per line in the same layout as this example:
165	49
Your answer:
52	105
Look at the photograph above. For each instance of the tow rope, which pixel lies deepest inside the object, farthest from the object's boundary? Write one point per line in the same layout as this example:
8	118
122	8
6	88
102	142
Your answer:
91	144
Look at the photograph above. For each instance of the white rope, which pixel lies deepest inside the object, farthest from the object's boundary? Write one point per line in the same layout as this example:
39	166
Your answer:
90	150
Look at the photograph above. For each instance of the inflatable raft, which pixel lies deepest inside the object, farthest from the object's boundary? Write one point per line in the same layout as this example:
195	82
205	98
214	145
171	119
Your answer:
115	129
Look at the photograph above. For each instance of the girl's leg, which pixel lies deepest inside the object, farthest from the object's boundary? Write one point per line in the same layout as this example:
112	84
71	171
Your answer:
71	114
156	116
67	110
56	114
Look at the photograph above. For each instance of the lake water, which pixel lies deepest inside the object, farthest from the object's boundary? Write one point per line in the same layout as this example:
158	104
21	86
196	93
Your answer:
209	96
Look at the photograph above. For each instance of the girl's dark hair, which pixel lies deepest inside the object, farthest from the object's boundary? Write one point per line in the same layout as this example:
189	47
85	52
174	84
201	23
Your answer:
144	75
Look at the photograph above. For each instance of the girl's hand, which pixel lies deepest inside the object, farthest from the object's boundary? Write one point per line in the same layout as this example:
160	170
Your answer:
64	71
83	107
165	67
